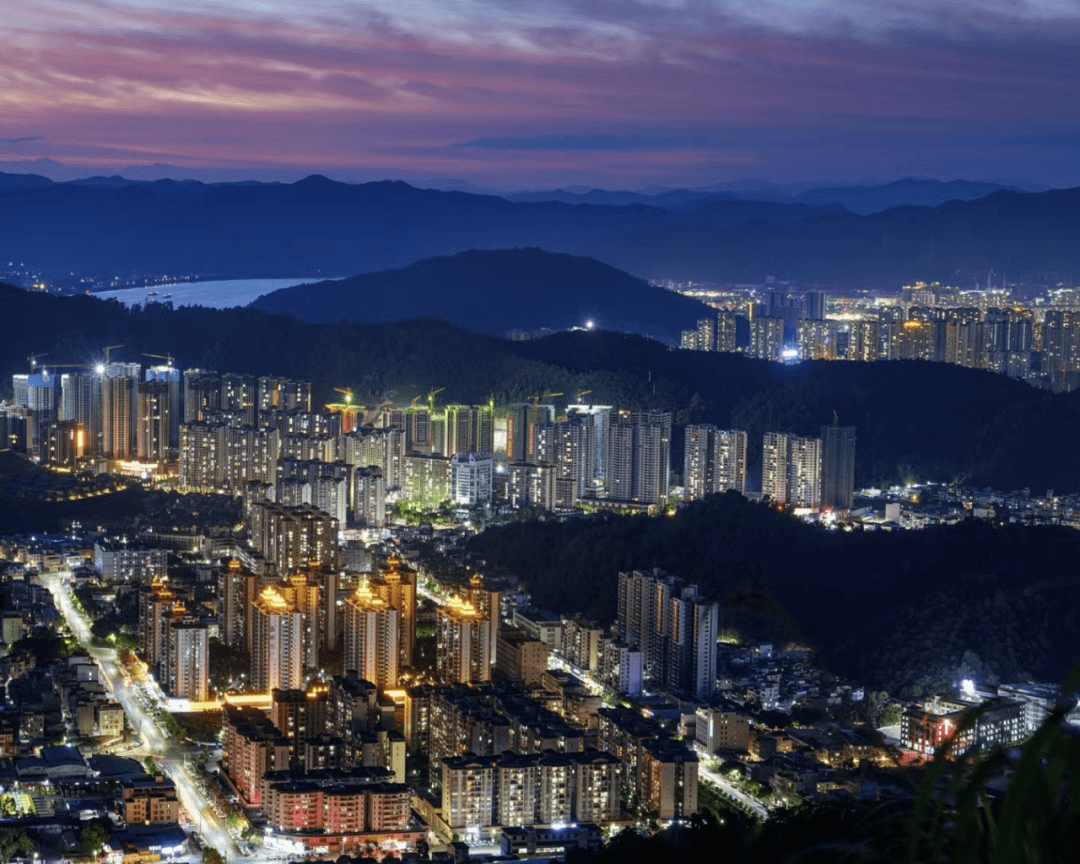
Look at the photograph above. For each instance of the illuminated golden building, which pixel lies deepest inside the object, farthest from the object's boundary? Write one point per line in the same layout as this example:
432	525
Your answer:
278	640
372	638
396	584
464	643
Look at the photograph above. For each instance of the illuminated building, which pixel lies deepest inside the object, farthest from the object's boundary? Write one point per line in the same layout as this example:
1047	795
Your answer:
415	423
567	447
187	661
283	394
128	562
62	443
251	456
838	467
488	602
529	486
470	478
293	537
767	339
238	395
639	457
999	723
726	332
380	448
150	801
396	584
817	340
277	656
598	419
791	469
237	588
300	716
580	643
203	456
714	460
202	394
519	656
372	638
153	434
302	591
706	335
774	467
119	414
521	422
155	615
463	643
251	747
674	627
338	811
722	730
864	341
426	478
369	497
469	429
670	779
81	402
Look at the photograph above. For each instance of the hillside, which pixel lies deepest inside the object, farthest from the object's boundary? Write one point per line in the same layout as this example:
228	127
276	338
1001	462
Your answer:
318	226
899	611
495	292
915	421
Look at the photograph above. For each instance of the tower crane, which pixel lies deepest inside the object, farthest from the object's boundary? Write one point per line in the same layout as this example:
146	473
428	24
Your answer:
168	358
33	358
431	398
108	352
581	393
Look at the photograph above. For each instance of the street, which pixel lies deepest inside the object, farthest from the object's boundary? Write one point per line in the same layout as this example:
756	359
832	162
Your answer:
198	809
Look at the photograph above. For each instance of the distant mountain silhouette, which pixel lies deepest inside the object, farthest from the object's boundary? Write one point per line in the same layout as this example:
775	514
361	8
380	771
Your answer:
862	199
320	226
496	292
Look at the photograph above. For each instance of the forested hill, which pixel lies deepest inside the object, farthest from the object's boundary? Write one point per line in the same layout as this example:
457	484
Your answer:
915	421
496	292
896	610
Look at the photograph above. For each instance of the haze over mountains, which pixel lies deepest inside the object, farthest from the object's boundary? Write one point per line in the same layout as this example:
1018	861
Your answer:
318	226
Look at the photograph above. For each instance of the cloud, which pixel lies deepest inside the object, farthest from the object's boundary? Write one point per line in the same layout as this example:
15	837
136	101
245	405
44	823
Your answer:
669	91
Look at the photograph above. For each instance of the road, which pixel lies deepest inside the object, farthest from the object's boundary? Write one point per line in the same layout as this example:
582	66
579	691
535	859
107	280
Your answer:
198	809
725	786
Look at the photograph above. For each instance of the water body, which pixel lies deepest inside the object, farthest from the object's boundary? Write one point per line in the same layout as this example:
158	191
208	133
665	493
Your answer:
216	294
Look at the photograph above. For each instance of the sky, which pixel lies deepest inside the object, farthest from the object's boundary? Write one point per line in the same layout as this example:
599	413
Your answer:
530	94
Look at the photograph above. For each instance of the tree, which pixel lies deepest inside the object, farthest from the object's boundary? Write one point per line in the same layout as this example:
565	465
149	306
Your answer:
95	835
212	856
14	841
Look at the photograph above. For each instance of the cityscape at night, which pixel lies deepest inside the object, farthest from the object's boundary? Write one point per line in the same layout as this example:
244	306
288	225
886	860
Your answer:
585	433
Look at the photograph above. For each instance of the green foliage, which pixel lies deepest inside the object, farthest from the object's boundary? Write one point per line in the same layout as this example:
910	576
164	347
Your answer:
781	580
151	766
14	842
212	856
95	835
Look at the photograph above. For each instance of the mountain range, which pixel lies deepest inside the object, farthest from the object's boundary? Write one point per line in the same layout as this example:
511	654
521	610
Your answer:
497	292
115	228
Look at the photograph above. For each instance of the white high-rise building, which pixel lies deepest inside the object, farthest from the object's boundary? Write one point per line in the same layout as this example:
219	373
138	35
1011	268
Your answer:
471	478
714	461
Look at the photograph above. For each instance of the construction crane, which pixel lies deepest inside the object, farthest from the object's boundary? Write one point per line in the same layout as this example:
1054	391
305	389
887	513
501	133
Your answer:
536	399
431	398
108	352
346	409
581	393
33	358
168	358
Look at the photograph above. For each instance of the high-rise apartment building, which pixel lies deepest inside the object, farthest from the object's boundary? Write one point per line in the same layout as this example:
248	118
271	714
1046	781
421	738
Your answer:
372	638
838	467
598	419
293	537
464	643
673	626
202	395
767	338
153	434
714	460
471	476
804	472
277	656
774	466
237	590
639	457
395	582
119	410
81	402
521	422
239	395
469	429
727	332
187	664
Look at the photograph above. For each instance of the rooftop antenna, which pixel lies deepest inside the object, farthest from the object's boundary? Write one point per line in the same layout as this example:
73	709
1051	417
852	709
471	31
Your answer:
835	418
